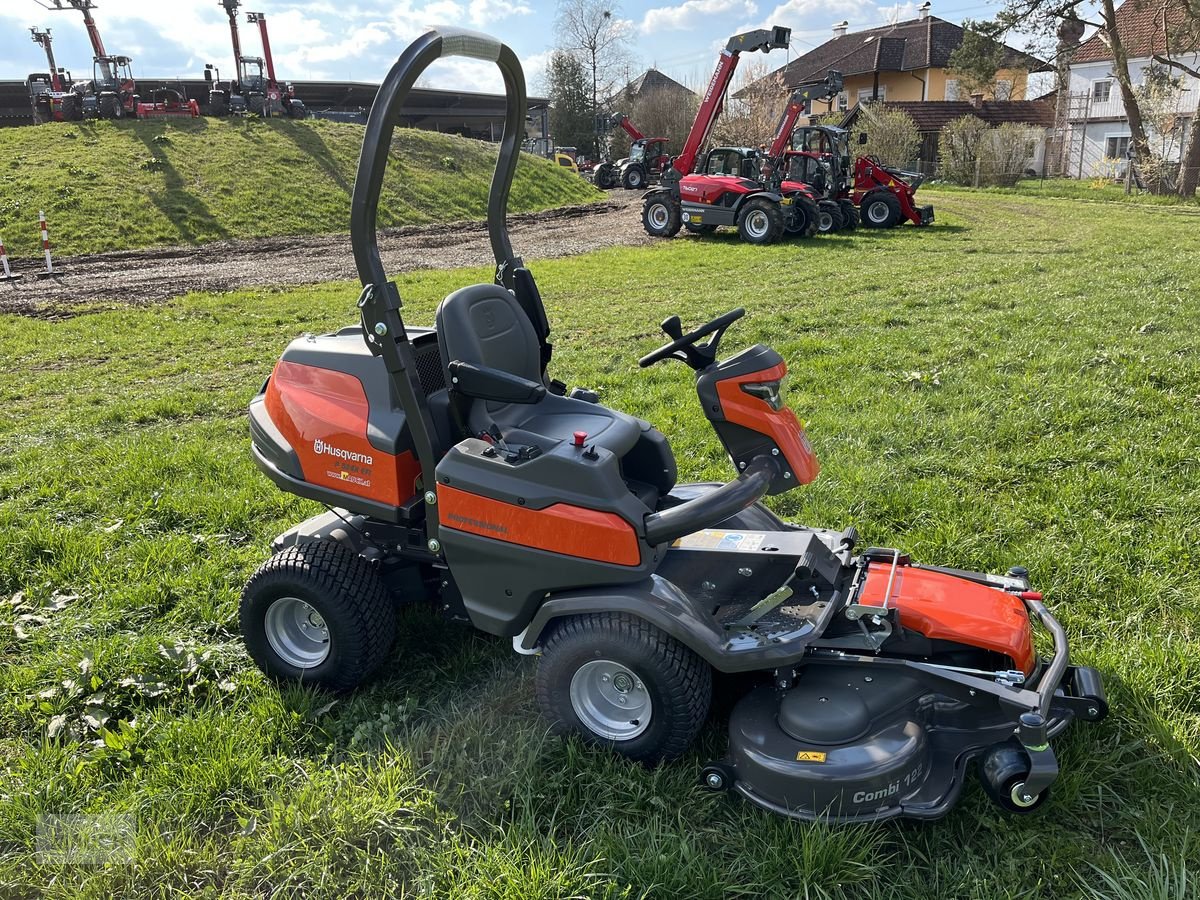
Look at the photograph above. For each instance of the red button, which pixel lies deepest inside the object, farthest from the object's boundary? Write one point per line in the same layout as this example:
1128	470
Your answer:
580	437
1030	595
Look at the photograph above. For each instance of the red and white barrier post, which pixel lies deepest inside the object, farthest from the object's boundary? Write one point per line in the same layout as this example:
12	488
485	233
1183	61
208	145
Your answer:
45	229
8	275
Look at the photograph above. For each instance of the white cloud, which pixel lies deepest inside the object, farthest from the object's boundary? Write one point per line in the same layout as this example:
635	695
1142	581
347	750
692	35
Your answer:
687	15
483	12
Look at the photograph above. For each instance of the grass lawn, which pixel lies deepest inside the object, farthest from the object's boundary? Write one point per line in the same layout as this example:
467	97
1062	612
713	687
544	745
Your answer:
124	185
1018	384
1093	189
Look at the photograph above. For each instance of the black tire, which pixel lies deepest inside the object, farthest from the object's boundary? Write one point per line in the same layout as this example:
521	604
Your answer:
849	214
829	217
359	617
699	228
634	178
760	221
803	220
1002	772
110	108
603	176
661	215
880	210
219	107
297	110
677	682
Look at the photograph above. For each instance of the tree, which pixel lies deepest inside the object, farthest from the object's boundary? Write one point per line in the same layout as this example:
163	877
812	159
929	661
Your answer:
570	111
892	135
662	113
977	59
593	32
751	118
1181	32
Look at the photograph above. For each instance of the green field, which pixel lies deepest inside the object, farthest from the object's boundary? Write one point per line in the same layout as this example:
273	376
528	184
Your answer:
1018	384
124	185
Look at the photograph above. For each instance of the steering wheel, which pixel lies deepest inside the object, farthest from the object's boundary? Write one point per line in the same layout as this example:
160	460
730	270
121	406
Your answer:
684	347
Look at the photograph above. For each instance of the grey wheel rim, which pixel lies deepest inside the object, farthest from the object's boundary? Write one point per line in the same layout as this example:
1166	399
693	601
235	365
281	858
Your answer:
758	224
610	700
879	212
1019	797
659	216
635	179
825	222
297	633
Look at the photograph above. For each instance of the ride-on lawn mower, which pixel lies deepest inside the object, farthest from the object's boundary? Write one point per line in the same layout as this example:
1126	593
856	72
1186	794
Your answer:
458	472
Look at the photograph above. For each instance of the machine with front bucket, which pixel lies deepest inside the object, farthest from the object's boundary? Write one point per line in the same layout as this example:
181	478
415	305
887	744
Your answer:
458	473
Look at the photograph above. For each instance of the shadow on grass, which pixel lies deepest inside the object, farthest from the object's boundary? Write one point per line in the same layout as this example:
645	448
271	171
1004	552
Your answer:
308	141
186	212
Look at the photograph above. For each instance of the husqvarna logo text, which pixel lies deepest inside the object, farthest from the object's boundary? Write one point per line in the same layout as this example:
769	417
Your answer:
323	449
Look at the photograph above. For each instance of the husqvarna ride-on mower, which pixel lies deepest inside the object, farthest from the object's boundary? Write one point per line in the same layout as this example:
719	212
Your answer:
458	472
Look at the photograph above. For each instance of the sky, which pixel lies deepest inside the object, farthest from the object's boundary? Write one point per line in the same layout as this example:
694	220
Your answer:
357	40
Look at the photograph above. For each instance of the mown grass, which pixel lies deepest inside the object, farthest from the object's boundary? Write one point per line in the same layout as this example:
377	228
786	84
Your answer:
1018	384
1093	189
124	185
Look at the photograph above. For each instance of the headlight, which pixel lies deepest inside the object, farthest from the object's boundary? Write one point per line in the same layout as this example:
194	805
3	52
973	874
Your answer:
769	391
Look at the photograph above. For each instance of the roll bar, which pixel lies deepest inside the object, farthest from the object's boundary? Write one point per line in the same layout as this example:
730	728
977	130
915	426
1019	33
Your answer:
714	507
379	303
377	141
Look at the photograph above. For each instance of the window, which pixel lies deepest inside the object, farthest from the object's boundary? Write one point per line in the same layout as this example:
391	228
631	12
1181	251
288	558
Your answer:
843	101
951	89
1101	91
1116	146
1003	89
865	95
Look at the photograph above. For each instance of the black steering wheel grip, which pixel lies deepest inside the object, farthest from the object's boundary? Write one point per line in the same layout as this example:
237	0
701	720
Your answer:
679	348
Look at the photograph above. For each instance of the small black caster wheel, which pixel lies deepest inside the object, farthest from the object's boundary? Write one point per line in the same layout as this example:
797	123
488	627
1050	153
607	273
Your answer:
717	777
1002	772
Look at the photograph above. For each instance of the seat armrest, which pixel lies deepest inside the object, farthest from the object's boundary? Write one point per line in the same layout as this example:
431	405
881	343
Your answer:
484	383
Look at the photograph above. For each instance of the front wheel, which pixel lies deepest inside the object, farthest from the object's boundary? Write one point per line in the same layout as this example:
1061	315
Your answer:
621	683
849	214
881	210
760	221
802	222
829	218
661	215
1002	772
634	178
318	613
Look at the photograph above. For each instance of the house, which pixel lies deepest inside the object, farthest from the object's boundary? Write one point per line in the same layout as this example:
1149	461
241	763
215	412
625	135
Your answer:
650	83
1095	128
907	61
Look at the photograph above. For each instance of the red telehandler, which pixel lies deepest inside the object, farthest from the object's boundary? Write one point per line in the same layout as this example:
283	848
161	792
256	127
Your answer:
112	93
707	201
50	102
252	90
647	159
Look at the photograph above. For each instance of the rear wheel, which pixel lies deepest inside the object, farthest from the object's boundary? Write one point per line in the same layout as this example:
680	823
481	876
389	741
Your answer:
621	683
803	219
880	210
110	108
318	613
849	214
760	221
634	178
661	215
829	217
699	228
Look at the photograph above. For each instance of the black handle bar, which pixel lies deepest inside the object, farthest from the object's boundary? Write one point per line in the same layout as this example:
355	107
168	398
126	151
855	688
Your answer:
715	506
377	142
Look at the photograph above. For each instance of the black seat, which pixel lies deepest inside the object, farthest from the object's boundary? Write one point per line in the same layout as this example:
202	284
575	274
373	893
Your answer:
485	326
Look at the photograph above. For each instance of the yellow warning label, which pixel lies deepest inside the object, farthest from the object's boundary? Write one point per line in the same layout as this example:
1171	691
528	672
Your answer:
810	756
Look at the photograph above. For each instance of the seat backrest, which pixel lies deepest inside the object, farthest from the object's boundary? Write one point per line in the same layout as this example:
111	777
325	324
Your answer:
484	325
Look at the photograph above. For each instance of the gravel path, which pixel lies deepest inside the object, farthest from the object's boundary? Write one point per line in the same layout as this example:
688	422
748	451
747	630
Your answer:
150	276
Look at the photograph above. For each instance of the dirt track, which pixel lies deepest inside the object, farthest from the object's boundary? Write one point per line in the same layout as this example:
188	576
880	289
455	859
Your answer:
150	276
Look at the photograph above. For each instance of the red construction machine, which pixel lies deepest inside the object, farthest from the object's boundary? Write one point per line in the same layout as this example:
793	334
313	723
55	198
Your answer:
253	89
721	195
647	159
880	196
50	100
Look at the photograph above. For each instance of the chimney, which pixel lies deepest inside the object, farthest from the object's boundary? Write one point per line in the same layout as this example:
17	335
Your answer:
977	100
923	11
839	30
